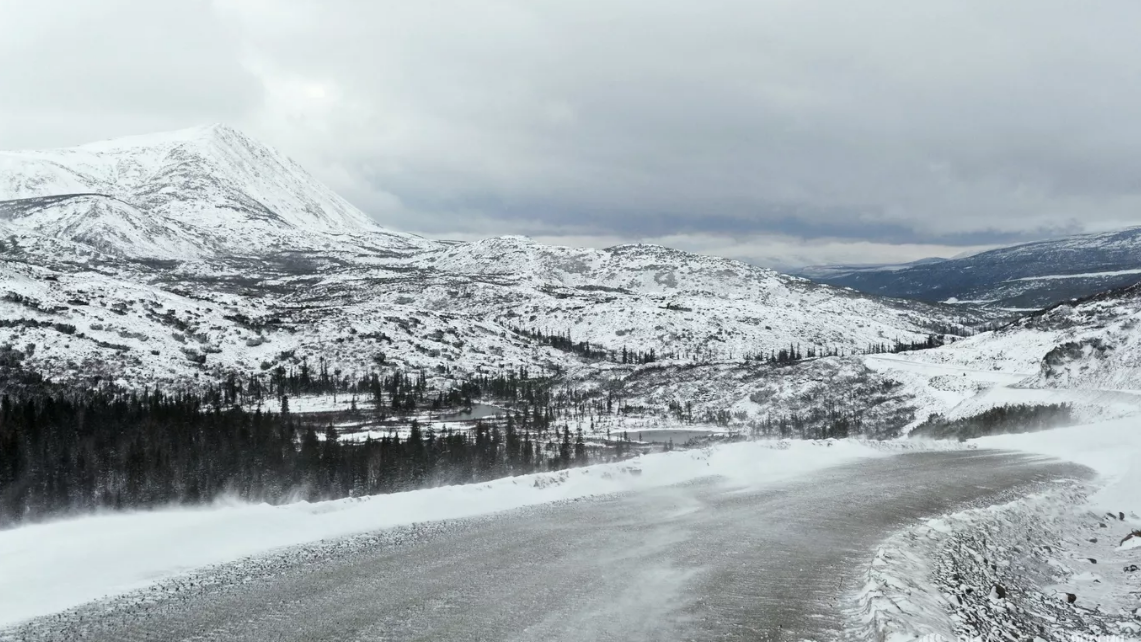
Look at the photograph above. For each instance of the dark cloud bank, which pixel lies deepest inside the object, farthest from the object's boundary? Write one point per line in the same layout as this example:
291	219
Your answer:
779	131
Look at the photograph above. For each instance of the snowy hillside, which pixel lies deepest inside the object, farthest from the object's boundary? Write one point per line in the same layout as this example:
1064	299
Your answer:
1099	343
1087	354
187	256
1090	344
647	296
1028	276
106	224
194	192
140	321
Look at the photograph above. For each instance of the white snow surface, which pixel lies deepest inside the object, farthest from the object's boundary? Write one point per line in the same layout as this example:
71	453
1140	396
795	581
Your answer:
1087	354
1112	448
49	567
939	580
181	194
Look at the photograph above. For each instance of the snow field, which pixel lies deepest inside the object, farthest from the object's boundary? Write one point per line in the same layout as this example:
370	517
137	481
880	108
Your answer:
1112	448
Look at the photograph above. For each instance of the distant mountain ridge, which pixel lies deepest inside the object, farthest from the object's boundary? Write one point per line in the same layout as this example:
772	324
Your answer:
818	272
1026	276
184	194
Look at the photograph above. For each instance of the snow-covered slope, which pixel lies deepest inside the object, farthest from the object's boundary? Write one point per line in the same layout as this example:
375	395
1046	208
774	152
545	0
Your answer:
147	322
180	257
1032	275
648	296
106	224
1086	353
1093	343
193	192
1099	343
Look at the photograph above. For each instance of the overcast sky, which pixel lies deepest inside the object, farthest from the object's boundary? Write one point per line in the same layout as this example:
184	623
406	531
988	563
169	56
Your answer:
783	132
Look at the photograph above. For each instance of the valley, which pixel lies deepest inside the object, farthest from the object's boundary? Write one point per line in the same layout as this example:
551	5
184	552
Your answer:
195	332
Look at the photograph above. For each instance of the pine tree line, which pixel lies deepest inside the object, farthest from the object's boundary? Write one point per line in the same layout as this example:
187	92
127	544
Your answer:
586	349
61	453
995	421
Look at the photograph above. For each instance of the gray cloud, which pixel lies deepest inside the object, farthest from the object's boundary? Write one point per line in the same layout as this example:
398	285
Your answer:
839	129
74	71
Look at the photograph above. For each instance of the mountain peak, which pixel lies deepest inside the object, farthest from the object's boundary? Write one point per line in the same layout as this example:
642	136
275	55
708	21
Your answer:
196	133
235	193
222	132
215	128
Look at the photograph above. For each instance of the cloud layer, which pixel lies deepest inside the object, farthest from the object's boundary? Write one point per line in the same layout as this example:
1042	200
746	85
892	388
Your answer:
779	131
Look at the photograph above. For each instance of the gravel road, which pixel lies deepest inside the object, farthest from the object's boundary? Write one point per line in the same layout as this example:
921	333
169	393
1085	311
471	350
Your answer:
704	561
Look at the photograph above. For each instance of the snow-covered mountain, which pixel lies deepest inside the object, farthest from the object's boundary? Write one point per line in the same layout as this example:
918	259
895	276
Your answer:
192	193
1028	276
183	257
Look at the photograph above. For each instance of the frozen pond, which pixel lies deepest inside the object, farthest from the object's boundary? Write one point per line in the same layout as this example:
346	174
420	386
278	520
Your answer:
664	436
478	411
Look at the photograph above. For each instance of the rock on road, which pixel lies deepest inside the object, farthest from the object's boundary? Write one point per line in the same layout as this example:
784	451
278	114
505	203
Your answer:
703	561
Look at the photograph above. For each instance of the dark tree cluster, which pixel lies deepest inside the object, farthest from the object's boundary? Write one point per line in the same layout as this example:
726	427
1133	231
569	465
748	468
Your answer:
997	421
397	393
932	341
819	423
513	387
62	453
586	349
636	356
395	390
792	354
565	343
684	412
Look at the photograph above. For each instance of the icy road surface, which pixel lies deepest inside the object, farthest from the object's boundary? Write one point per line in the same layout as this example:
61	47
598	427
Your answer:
701	561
